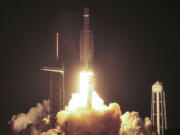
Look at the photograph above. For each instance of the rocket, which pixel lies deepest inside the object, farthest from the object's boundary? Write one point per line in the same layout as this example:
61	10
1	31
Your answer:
86	44
86	52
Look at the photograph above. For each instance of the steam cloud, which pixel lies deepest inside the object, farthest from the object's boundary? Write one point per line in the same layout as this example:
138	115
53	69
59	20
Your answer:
98	122
107	121
33	117
132	124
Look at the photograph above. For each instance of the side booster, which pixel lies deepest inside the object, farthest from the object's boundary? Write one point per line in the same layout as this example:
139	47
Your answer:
86	44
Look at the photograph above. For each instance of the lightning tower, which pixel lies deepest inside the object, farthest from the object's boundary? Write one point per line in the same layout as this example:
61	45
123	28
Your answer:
158	108
86	50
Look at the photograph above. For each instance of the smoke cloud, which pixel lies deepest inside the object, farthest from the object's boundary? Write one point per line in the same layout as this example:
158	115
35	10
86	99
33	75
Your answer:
98	122
33	117
107	121
86	122
132	124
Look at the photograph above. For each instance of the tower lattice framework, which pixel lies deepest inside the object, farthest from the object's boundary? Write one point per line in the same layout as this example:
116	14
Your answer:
158	108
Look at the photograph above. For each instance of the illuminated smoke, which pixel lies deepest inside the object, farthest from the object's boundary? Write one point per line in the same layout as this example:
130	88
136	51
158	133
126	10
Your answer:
79	99
51	132
106	121
79	119
98	122
132	124
33	117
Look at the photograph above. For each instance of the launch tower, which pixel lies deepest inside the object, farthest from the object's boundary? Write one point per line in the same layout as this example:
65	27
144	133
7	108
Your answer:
158	108
56	86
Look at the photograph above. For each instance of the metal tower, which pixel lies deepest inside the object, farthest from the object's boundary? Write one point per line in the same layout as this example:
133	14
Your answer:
56	86
158	108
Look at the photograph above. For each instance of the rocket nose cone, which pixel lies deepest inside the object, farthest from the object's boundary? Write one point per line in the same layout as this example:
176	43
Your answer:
86	11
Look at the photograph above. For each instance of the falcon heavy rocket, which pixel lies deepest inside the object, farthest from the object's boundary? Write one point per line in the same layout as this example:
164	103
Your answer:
86	53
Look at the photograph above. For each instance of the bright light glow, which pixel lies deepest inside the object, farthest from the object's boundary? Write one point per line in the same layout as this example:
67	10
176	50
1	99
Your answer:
157	87
79	100
86	82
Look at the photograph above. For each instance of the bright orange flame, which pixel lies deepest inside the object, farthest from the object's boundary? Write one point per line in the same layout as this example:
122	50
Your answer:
86	83
79	100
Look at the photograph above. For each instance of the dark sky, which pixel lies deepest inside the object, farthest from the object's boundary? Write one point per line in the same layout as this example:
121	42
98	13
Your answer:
136	44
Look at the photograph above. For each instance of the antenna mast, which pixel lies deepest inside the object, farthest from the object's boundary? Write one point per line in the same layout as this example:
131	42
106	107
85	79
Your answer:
57	46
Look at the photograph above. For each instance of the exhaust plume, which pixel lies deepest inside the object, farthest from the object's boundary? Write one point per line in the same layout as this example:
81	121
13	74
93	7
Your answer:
96	122
132	124
33	117
84	121
106	120
79	119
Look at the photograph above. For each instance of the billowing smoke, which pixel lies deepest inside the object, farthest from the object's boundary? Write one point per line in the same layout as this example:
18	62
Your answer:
96	122
107	121
132	124
34	117
79	119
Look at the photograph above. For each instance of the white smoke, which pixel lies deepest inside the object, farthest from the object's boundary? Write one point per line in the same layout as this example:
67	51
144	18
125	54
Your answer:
54	131
132	124
84	121
34	116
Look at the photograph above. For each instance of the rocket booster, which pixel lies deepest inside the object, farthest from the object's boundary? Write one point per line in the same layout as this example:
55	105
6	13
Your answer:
86	44
86	52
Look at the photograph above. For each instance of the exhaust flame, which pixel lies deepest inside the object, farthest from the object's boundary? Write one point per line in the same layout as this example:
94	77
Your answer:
78	118
80	100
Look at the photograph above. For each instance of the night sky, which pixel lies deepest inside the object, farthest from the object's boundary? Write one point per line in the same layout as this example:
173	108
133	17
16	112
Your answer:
136	43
